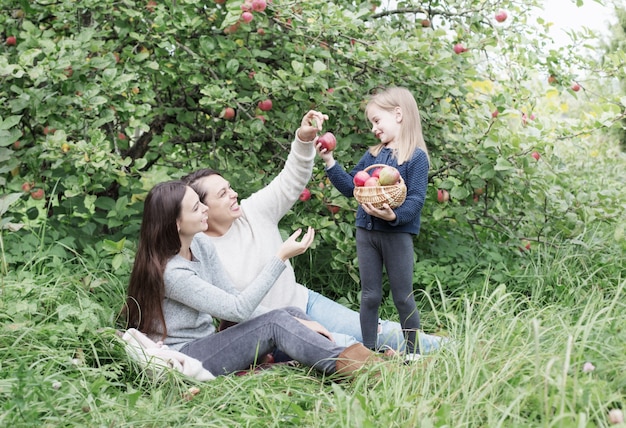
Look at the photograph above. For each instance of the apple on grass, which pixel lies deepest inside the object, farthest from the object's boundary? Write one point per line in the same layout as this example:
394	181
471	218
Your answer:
360	178
328	141
11	41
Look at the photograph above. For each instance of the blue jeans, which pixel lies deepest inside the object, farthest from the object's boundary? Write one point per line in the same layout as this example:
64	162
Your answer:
339	319
241	345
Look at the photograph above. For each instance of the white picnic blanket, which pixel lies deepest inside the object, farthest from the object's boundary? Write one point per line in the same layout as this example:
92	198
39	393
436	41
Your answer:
157	356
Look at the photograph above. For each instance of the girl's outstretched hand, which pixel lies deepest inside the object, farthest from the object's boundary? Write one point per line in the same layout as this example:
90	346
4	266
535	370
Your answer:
291	247
326	156
311	124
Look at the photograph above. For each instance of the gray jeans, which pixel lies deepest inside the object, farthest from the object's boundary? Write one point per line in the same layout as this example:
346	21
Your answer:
394	252
237	347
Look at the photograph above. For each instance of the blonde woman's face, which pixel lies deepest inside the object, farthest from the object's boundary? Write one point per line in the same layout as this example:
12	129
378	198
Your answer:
385	124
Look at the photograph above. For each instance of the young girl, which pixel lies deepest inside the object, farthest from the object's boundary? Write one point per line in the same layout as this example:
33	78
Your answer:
384	237
177	287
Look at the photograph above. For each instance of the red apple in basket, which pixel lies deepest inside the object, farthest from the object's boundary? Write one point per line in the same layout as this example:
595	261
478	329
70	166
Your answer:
360	178
372	181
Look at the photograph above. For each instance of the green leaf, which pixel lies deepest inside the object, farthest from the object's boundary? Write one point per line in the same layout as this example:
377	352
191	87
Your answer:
503	165
7	200
298	68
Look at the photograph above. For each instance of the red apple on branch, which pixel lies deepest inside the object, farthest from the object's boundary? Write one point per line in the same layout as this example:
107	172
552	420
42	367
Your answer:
228	113
501	16
536	155
459	48
305	195
265	105
37	194
442	196
11	41
575	87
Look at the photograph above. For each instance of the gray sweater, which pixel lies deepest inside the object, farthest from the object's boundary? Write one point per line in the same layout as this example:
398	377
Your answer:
198	290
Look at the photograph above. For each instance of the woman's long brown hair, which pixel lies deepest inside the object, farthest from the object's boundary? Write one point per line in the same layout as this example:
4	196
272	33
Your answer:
158	242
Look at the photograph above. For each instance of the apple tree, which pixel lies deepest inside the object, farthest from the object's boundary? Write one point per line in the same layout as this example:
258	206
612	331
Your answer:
102	99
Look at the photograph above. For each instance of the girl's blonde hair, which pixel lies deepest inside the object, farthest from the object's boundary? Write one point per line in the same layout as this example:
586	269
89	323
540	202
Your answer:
410	137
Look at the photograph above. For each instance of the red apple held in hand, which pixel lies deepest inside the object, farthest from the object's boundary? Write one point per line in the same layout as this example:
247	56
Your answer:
575	87
360	178
388	176
265	105
536	155
305	195
228	113
328	141
11	41
37	194
371	182
442	196
459	48
501	16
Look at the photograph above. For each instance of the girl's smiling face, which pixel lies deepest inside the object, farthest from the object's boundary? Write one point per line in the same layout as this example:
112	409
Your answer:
385	124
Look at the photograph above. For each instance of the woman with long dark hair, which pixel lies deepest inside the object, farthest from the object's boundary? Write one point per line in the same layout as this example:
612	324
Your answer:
178	285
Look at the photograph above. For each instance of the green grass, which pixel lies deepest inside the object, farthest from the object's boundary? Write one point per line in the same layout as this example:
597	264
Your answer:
516	359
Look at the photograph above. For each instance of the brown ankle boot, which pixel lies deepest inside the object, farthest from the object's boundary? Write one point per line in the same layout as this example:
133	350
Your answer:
353	358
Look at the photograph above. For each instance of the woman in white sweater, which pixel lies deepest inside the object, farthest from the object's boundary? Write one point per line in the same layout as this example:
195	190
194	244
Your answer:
175	290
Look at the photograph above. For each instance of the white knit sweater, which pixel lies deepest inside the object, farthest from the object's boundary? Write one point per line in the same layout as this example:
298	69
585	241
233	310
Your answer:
254	238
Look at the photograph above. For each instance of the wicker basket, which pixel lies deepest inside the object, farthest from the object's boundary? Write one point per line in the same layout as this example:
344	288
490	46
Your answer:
394	195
